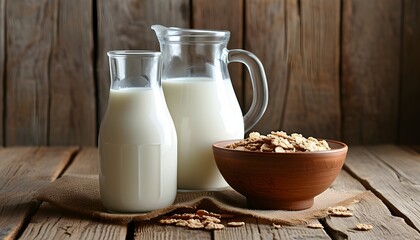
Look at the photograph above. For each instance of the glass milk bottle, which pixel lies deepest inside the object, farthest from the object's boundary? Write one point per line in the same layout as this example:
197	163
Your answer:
137	138
201	99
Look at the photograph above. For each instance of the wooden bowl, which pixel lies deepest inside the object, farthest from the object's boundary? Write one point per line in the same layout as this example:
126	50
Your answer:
286	181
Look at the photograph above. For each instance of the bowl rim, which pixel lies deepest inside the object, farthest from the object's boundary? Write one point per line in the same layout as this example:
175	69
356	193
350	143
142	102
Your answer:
221	146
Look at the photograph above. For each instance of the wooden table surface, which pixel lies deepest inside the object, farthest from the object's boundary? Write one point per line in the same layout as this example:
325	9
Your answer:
392	173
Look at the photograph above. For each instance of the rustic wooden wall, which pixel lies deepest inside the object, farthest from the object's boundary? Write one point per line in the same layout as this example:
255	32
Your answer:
340	69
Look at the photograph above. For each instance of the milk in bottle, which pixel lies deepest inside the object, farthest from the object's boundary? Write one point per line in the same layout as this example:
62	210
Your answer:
137	139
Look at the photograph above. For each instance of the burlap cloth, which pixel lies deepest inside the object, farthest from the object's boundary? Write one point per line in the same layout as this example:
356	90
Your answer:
81	194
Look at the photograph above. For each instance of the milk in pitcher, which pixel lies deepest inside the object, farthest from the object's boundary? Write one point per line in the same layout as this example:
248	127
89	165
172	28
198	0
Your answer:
201	99
204	111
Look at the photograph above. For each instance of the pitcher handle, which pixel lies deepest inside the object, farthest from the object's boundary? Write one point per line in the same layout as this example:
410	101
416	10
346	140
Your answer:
258	82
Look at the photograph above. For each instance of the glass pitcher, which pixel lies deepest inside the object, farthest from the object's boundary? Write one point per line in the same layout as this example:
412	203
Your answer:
201	99
137	138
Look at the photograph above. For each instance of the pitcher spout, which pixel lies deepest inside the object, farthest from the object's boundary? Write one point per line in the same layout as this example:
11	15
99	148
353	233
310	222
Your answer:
159	29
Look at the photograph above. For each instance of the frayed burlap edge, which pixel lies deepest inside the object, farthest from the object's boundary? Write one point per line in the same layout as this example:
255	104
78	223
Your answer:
81	195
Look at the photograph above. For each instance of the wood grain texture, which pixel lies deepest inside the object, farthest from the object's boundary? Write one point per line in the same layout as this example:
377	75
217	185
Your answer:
224	15
313	100
267	38
249	231
371	42
29	27
264	230
154	230
126	25
72	85
2	63
22	172
370	210
268	232
302	63
50	222
410	77
86	162
392	173
253	229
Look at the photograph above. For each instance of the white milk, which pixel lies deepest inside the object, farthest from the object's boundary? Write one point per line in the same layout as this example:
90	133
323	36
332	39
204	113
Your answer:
137	152
204	111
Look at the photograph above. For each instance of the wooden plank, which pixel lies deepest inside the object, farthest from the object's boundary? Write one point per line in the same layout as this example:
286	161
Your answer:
415	148
23	170
223	15
264	229
267	38
2	62
249	231
392	174
53	223
85	163
371	43
313	98
29	28
410	77
268	231
50	222
126	25
301	56
153	230
370	210
72	89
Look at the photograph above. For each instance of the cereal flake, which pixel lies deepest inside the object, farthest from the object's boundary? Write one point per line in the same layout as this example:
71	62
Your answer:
364	227
235	224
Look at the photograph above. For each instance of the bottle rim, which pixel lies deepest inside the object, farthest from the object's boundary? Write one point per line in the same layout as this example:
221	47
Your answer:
133	53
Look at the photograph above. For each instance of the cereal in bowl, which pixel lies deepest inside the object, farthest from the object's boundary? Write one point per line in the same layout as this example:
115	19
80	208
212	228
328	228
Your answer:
279	141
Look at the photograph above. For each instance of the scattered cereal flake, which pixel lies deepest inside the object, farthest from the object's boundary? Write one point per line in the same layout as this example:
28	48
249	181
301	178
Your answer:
235	224
211	219
216	215
364	227
214	226
315	225
202	212
184	216
200	219
339	211
168	221
276	226
182	223
337	208
194	223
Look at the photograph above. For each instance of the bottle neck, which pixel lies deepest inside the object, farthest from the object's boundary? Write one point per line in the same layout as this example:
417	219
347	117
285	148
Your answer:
135	69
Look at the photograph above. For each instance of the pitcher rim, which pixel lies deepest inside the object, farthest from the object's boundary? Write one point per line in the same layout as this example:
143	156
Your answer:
188	35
